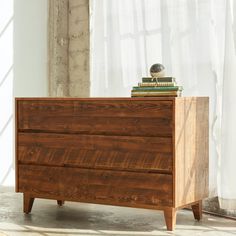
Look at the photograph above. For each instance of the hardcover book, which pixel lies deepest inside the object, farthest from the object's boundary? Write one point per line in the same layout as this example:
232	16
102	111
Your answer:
156	84
151	88
158	80
155	94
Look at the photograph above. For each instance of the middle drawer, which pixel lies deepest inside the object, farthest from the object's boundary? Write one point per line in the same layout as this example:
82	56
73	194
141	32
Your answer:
147	154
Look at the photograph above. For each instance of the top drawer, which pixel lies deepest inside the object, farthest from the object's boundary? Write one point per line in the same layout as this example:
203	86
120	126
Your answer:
103	117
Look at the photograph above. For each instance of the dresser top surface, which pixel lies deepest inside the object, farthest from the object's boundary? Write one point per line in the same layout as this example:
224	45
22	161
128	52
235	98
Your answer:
106	98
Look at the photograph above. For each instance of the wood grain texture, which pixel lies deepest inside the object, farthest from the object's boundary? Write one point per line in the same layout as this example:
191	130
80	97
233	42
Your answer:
60	202
135	152
16	145
98	99
197	210
128	126
191	150
94	108
97	142
93	117
97	185
170	218
96	159
28	203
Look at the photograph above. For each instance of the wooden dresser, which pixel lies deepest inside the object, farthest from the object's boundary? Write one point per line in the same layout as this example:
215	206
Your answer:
135	152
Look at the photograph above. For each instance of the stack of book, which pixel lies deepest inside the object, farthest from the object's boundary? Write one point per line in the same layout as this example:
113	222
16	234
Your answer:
157	87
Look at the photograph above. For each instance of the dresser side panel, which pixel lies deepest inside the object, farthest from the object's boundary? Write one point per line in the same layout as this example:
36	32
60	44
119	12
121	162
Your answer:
191	149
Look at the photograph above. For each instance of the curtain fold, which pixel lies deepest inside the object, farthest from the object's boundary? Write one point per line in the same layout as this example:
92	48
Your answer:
227	179
195	40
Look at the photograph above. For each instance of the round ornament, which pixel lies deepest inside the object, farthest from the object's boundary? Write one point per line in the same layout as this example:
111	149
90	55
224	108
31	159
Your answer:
157	70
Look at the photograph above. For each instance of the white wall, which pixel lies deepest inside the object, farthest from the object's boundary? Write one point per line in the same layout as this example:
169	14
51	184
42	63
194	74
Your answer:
30	48
6	93
23	68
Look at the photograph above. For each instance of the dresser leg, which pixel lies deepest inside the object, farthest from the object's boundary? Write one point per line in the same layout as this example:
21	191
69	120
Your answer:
170	218
28	203
197	210
60	202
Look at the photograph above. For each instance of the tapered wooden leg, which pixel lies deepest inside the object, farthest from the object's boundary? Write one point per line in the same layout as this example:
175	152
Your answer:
170	218
197	210
28	203
60	202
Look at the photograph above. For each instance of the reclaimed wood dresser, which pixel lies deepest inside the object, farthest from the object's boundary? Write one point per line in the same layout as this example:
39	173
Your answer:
135	152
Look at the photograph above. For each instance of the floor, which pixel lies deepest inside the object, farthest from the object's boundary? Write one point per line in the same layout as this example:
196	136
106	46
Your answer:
47	219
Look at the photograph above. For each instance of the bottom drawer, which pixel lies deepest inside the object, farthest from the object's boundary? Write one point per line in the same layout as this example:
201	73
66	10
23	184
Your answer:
96	186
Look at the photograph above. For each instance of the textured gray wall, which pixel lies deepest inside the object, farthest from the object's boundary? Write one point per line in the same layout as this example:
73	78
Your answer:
69	48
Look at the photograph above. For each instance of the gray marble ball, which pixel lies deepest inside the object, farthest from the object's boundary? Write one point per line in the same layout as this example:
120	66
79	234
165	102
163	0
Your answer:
157	70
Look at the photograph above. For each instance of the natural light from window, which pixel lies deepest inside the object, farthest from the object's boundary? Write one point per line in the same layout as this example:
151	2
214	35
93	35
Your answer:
6	93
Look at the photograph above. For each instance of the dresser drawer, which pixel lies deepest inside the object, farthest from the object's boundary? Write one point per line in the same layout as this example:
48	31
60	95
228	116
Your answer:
97	186
130	118
148	154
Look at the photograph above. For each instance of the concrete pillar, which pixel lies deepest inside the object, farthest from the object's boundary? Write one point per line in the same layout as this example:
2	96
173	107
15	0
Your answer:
69	48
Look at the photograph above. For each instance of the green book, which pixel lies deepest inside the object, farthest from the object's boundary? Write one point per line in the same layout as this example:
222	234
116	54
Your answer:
153	89
158	80
155	94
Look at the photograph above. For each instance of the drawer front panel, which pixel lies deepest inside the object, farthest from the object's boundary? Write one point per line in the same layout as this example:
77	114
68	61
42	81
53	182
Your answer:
134	118
123	153
97	186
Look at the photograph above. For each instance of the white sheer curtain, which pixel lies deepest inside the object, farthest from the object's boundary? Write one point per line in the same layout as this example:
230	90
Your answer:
195	40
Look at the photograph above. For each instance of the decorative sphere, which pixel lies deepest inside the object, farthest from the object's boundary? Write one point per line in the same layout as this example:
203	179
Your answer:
157	70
